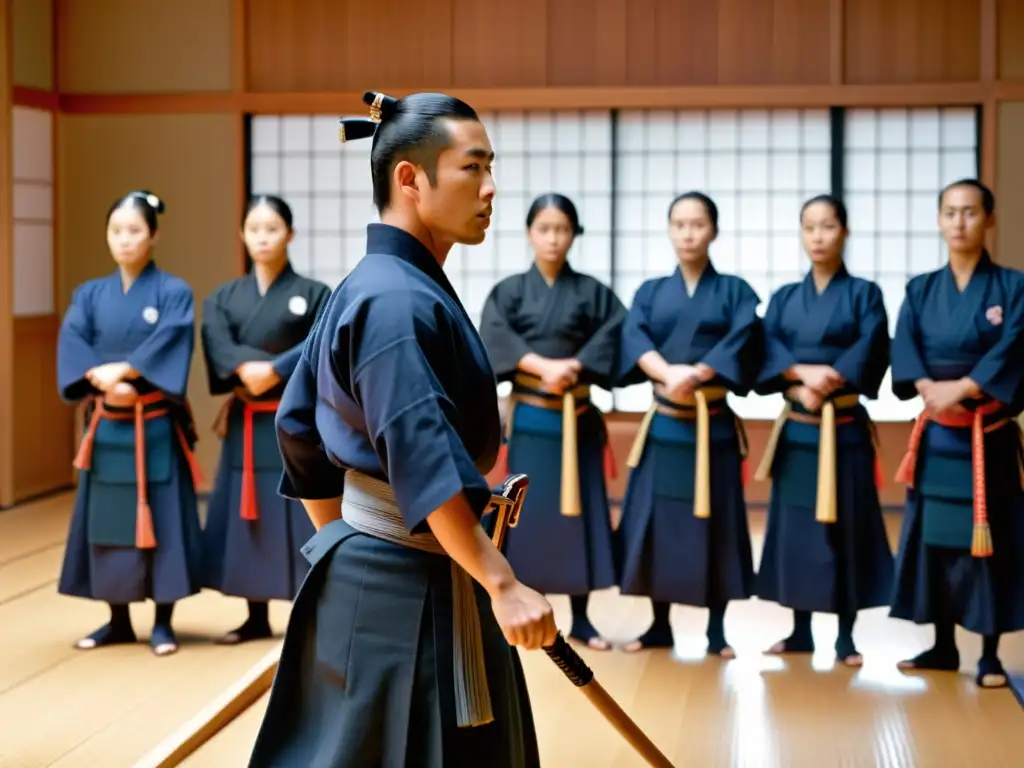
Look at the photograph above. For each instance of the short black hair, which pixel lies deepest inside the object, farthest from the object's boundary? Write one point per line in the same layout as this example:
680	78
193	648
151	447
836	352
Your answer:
988	200
412	129
274	203
558	202
838	208
145	202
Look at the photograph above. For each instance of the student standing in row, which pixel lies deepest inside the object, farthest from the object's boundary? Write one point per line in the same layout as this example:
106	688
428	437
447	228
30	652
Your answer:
126	347
827	343
553	332
697	336
959	344
253	331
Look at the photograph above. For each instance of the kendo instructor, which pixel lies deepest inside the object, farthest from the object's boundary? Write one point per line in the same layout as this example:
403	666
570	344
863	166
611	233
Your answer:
398	648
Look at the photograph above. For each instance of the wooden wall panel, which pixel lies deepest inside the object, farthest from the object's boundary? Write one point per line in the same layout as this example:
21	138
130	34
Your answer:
499	44
144	46
33	44
43	430
339	45
1010	19
912	41
342	45
1010	185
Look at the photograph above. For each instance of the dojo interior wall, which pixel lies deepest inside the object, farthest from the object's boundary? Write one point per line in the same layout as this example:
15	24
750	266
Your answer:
150	93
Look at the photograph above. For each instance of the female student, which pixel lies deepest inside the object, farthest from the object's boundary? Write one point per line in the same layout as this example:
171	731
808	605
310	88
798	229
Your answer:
553	332
126	346
695	334
827	343
253	331
959	344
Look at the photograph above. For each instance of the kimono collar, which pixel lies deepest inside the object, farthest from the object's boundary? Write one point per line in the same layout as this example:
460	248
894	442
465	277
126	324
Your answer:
384	238
565	271
709	271
839	274
984	263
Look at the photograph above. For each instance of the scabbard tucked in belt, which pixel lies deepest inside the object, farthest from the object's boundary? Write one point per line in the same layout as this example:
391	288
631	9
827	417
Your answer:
696	408
369	506
981	542
140	408
573	402
249	506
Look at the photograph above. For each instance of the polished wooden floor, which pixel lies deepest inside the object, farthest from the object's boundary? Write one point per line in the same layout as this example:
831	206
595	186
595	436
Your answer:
105	709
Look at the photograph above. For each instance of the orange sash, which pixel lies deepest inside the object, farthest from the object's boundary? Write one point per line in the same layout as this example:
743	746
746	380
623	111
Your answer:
249	507
135	408
981	544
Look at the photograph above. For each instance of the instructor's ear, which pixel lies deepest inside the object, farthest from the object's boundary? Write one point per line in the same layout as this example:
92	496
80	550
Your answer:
406	181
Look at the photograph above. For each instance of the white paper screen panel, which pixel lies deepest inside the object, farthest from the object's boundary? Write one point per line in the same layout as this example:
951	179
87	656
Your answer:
32	236
758	165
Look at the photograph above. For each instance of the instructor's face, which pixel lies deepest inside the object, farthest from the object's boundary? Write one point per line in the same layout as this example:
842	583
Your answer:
458	205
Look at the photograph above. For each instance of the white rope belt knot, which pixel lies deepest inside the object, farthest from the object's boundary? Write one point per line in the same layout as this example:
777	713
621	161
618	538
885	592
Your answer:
369	506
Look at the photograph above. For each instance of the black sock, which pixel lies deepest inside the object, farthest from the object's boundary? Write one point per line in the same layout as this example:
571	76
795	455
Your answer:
846	622
164	611
802	625
716	628
120	618
661	622
582	629
259	613
990	647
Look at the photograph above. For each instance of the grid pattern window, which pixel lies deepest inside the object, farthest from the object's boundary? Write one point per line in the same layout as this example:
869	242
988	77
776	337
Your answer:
896	161
757	165
326	183
32	136
328	186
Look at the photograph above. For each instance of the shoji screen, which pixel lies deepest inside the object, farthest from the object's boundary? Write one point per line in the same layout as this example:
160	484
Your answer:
758	166
328	186
33	211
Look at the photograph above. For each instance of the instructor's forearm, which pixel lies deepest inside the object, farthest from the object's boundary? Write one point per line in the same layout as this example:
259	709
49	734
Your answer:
457	530
322	511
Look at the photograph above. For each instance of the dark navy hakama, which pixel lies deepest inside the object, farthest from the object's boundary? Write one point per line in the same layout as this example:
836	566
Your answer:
101	561
841	567
258	559
366	675
669	554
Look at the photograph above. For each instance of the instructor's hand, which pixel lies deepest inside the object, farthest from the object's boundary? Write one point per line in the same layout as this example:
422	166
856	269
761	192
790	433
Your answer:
525	616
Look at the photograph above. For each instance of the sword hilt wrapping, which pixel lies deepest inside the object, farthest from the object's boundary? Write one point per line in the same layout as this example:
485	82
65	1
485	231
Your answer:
570	662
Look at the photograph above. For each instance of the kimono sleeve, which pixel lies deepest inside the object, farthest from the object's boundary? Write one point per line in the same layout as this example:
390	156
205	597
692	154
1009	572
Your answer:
308	471
1000	372
635	338
599	355
165	357
505	347
907	361
737	358
778	359
75	353
400	349
863	364
222	353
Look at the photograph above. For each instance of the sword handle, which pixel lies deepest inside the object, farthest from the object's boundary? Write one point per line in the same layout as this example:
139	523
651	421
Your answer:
571	663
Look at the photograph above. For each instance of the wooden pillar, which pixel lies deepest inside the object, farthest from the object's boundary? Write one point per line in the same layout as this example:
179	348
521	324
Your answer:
7	362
